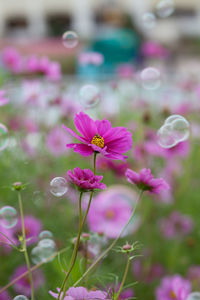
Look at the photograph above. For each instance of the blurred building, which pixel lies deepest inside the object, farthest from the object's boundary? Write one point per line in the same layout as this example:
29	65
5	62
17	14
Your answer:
40	18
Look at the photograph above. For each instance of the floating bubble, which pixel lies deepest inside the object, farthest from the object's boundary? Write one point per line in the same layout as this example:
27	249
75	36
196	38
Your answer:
165	8
58	186
89	96
3	137
44	251
166	139
193	296
150	78
45	234
8	216
176	129
47	243
148	20
20	297
70	39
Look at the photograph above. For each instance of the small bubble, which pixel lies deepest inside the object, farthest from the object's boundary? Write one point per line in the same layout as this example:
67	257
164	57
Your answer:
3	137
70	39
148	20
165	8
193	296
20	297
46	234
150	78
58	186
89	96
8	216
43	251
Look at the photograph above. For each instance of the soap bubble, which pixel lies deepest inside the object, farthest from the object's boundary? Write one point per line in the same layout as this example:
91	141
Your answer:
20	297
150	78
176	129
3	137
70	39
58	186
8	216
165	8
148	20
166	139
193	296
89	96
45	234
45	250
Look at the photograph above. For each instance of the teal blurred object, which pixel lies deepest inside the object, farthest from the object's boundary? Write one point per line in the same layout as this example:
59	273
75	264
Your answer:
118	46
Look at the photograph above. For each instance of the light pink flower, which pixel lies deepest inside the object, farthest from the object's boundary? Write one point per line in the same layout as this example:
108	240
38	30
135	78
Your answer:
94	58
55	141
12	60
81	293
174	287
3	99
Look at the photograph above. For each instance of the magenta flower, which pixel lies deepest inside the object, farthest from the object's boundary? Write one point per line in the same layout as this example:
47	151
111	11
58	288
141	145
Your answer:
117	167
174	287
12	60
33	227
100	137
146	182
176	225
85	179
5	296
4	242
109	213
81	293
22	286
3	99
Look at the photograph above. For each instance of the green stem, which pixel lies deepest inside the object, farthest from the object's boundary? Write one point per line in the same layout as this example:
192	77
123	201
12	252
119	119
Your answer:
124	277
112	244
75	251
24	246
74	254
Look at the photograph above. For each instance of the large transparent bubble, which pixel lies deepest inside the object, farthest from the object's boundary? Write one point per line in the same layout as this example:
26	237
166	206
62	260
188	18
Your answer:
89	96
148	21
58	186
150	78
44	251
8	216
176	129
70	39
165	8
193	296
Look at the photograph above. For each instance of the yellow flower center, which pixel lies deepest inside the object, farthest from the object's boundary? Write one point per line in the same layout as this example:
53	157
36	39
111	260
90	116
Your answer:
98	141
110	214
172	295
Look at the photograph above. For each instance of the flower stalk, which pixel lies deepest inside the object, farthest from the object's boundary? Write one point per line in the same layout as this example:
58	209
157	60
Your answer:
24	245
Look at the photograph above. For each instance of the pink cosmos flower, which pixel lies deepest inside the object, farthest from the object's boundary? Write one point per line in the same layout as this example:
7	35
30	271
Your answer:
125	294
33	227
85	179
108	214
93	58
54	141
12	60
5	296
100	137
153	49
81	293
176	225
22	286
3	99
4	242
174	287
146	182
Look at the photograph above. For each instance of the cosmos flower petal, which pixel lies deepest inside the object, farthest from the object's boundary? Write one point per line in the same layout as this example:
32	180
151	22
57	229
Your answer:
85	125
